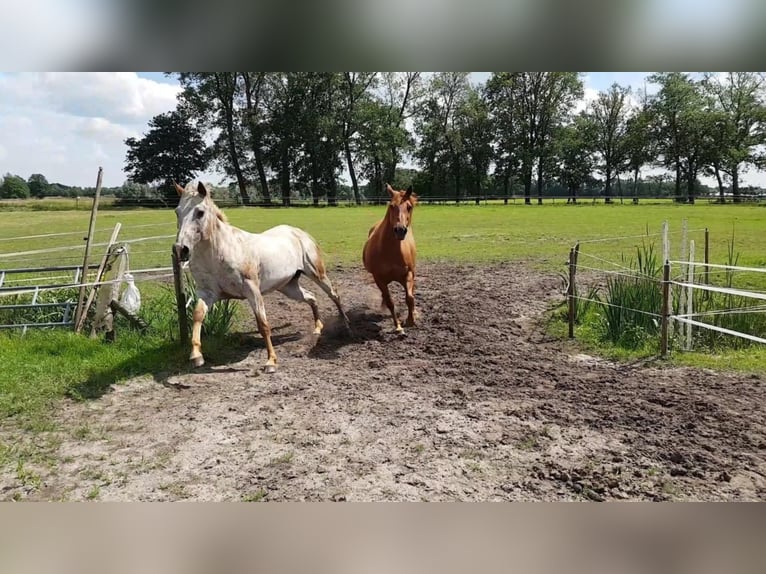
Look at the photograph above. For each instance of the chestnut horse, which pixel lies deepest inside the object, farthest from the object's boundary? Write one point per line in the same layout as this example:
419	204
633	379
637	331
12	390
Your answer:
230	263
389	253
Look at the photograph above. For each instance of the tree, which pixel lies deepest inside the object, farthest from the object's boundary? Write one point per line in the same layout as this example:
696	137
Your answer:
540	103
211	97
741	122
172	149
476	131
680	124
38	185
255	92
638	143
609	115
441	146
575	144
14	187
354	92
501	94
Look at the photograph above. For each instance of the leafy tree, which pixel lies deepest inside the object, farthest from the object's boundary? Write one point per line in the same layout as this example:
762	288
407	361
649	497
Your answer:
540	103
740	122
172	149
575	145
355	91
254	84
476	131
680	124
38	185
639	145
609	115
212	98
14	187
441	145
502	92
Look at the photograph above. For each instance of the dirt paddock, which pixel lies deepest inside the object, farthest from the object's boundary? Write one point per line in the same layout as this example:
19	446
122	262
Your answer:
475	403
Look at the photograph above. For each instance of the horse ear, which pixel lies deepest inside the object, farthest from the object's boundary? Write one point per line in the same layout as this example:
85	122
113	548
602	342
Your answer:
179	189
201	189
390	190
408	193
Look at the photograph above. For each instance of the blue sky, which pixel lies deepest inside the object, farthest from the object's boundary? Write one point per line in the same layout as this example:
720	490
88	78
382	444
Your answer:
66	125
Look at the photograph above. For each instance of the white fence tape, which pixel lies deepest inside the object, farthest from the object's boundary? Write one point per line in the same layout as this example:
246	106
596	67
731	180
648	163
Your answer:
719	329
733	267
726	290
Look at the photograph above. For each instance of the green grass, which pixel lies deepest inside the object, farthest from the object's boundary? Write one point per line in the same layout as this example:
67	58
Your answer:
466	233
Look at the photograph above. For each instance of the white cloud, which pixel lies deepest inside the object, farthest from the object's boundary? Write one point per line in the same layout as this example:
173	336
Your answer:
66	125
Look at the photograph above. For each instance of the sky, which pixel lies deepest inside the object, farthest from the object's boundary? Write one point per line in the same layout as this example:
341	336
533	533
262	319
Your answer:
66	125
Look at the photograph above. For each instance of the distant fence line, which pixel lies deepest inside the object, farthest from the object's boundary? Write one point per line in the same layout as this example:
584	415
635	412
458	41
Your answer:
277	202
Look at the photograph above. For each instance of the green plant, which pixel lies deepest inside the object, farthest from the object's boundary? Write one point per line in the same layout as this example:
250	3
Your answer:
633	301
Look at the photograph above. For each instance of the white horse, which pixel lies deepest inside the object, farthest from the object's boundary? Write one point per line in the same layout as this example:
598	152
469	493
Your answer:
229	263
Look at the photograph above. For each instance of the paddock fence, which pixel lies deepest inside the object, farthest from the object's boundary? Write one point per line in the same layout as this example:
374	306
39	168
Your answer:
40	287
680	286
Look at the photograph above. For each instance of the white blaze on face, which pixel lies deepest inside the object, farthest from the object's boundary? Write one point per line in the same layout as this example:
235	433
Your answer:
190	214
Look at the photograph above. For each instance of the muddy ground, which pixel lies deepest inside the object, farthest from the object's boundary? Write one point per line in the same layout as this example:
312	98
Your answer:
475	403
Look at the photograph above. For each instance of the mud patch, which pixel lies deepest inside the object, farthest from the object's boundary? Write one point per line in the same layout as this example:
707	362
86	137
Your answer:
475	403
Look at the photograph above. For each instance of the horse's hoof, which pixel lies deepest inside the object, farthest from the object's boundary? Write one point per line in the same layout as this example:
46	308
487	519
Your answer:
198	361
270	369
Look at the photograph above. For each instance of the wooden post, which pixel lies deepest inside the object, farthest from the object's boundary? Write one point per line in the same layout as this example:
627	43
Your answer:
665	309
88	240
571	292
183	327
707	257
99	272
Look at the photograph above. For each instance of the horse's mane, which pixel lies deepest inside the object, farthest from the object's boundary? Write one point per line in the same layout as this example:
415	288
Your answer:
218	213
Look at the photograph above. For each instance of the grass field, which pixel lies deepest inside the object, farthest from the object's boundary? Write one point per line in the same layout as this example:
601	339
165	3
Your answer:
59	363
467	233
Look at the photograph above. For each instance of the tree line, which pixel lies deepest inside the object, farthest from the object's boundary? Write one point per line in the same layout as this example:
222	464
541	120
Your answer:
283	135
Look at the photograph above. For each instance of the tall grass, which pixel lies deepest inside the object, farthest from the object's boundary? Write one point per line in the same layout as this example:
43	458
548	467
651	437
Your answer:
633	301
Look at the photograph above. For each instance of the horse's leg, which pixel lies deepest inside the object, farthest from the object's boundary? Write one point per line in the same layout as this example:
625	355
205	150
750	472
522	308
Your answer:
326	285
200	310
204	303
259	310
294	291
383	286
410	289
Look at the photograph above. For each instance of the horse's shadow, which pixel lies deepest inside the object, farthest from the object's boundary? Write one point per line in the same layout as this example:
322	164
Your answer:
365	326
171	359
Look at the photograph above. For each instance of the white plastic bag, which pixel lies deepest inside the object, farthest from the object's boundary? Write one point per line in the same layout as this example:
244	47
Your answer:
131	297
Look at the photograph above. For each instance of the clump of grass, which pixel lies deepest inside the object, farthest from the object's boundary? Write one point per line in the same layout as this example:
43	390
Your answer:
632	303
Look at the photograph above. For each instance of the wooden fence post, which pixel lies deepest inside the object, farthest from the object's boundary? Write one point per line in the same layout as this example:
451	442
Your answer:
183	327
571	293
665	309
88	240
707	257
99	273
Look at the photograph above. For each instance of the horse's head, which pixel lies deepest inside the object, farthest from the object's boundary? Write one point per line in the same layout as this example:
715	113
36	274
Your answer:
198	219
400	210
